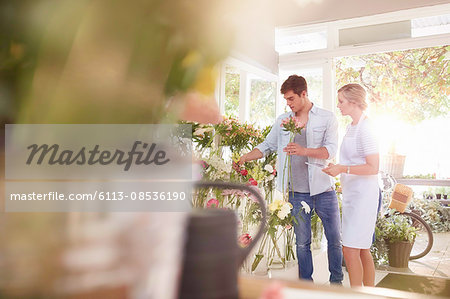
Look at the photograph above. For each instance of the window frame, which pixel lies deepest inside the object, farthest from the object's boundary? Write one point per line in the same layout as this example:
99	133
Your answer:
325	57
247	71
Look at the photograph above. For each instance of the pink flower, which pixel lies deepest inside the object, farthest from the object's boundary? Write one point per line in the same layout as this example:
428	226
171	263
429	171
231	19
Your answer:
212	203
298	123
204	164
244	240
227	192
274	172
285	121
244	172
288	226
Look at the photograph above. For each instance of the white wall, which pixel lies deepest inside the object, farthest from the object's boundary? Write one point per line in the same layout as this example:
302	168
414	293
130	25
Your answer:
255	34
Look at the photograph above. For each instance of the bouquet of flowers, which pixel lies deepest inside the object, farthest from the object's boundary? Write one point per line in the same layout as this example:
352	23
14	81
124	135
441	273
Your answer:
236	135
294	126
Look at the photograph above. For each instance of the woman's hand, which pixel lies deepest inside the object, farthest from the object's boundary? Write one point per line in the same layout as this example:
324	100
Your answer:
334	169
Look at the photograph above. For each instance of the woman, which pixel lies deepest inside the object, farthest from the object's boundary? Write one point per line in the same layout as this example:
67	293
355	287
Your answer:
358	167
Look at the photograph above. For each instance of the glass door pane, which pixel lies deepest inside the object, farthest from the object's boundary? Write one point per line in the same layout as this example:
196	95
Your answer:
232	86
262	102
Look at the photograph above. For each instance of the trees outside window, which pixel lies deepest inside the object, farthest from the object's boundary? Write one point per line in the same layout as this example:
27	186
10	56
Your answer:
409	100
414	82
232	84
262	102
253	103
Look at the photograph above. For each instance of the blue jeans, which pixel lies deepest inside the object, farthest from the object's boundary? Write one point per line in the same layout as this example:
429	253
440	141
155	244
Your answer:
326	207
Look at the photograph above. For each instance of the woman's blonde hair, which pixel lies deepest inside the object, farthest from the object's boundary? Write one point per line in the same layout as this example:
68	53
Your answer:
354	93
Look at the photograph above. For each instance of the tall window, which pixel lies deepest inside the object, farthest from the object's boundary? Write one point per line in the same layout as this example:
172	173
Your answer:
250	93
262	102
409	101
403	60
232	84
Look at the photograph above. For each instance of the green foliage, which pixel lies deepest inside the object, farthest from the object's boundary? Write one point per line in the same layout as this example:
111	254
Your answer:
393	228
396	228
421	176
316	225
262	101
232	84
231	133
236	135
435	214
379	248
412	83
202	135
101	61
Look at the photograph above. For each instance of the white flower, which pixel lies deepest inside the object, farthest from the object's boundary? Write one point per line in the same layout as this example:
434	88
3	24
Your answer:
199	132
284	211
202	131
270	177
306	207
268	168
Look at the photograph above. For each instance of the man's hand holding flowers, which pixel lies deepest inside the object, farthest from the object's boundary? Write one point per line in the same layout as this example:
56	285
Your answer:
295	149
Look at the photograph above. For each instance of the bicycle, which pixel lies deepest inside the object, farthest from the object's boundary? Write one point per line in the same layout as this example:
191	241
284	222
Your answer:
424	236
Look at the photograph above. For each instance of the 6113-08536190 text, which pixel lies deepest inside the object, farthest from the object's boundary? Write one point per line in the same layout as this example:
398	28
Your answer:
101	195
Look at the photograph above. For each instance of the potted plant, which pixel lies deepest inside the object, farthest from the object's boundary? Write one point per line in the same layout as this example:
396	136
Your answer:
439	192
399	236
428	194
442	192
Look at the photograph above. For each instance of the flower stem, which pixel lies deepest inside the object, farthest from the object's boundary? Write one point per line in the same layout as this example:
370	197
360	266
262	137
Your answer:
275	247
291	139
259	254
287	163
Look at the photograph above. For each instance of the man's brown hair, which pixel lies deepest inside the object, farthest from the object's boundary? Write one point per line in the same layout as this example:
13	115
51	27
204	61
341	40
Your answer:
295	83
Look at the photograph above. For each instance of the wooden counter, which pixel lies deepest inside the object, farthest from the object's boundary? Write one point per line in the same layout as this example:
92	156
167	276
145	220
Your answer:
251	287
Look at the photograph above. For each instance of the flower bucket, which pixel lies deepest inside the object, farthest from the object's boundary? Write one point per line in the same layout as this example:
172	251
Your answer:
259	260
277	245
399	253
401	197
290	247
317	233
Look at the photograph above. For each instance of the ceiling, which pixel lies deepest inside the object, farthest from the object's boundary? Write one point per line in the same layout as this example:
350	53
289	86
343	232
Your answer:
258	19
300	12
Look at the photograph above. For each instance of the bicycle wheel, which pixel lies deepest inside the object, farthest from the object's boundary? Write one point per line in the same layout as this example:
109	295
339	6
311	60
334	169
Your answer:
424	239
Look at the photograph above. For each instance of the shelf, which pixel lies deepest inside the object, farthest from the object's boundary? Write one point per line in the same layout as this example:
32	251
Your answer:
423	182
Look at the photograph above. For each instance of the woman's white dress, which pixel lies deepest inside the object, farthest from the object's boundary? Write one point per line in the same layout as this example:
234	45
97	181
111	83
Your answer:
359	192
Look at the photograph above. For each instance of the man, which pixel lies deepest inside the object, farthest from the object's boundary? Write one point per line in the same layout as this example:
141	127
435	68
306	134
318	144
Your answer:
316	144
